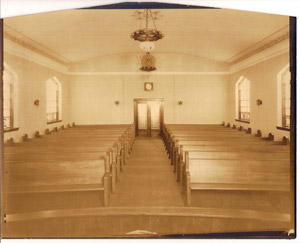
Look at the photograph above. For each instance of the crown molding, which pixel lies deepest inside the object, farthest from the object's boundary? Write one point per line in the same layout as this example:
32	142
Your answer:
146	73
264	55
24	41
260	49
19	51
21	46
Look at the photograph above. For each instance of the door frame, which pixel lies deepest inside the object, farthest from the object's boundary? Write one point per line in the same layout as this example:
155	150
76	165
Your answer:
161	114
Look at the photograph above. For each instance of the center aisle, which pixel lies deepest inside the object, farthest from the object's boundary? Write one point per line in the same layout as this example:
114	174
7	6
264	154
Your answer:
147	179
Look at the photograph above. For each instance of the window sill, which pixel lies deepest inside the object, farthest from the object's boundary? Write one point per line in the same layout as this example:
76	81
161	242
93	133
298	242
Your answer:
11	129
283	128
54	122
238	120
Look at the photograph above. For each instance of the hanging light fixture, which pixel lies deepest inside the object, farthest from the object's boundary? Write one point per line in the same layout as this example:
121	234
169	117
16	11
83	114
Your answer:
147	34
148	63
147	46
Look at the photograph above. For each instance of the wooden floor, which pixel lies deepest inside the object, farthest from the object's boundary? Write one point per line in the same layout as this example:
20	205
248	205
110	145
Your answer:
147	179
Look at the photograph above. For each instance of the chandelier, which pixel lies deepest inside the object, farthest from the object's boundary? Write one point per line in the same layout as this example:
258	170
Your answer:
148	63
147	35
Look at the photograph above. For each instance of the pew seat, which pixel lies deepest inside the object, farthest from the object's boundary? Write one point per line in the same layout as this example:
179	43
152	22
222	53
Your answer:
247	175
56	188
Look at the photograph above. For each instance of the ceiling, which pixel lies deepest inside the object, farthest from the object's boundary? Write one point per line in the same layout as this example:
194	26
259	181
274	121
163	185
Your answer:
79	35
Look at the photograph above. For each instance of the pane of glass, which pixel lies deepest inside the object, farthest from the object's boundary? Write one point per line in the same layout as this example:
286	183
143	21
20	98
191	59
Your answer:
52	97
142	116
6	122
7	99
287	103
287	92
155	116
244	104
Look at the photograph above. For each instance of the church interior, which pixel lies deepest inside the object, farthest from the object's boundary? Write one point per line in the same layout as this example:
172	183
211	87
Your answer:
147	123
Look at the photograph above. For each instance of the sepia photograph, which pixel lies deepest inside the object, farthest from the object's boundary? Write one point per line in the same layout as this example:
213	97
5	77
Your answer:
146	120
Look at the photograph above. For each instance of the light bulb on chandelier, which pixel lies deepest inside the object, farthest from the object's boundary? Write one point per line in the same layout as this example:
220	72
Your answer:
147	46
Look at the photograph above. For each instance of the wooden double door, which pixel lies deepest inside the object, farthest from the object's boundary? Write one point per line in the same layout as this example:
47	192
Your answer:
148	116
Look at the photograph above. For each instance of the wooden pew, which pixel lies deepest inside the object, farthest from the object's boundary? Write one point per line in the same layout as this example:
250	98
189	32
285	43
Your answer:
62	176
235	175
128	136
176	140
240	151
191	134
79	150
116	160
215	138
215	153
125	147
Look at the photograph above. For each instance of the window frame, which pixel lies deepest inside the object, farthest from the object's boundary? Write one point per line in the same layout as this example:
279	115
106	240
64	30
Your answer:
58	106
239	100
13	99
281	100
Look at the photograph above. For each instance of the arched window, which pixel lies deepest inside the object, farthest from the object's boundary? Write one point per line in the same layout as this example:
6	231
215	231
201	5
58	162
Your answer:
284	97
53	100
9	99
243	100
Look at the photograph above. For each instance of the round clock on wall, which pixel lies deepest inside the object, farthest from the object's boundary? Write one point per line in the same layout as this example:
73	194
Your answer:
148	86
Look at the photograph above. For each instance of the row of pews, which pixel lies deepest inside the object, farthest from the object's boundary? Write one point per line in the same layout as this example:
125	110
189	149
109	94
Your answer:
221	158
72	159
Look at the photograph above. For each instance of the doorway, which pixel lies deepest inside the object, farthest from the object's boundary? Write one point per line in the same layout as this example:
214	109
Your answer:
148	116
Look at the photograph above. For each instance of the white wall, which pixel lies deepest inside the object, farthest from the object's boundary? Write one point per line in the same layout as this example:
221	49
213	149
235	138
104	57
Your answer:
93	98
98	83
165	62
263	81
32	80
89	94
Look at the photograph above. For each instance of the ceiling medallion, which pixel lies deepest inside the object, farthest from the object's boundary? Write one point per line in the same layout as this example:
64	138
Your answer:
147	33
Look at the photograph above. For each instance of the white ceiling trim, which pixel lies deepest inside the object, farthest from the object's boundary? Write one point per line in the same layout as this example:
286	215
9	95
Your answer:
276	50
146	73
24	41
20	51
270	41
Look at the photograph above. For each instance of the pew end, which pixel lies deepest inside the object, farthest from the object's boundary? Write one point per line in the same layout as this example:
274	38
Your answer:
187	180
269	138
249	130
113	169
285	140
106	179
24	138
258	133
9	142
37	134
